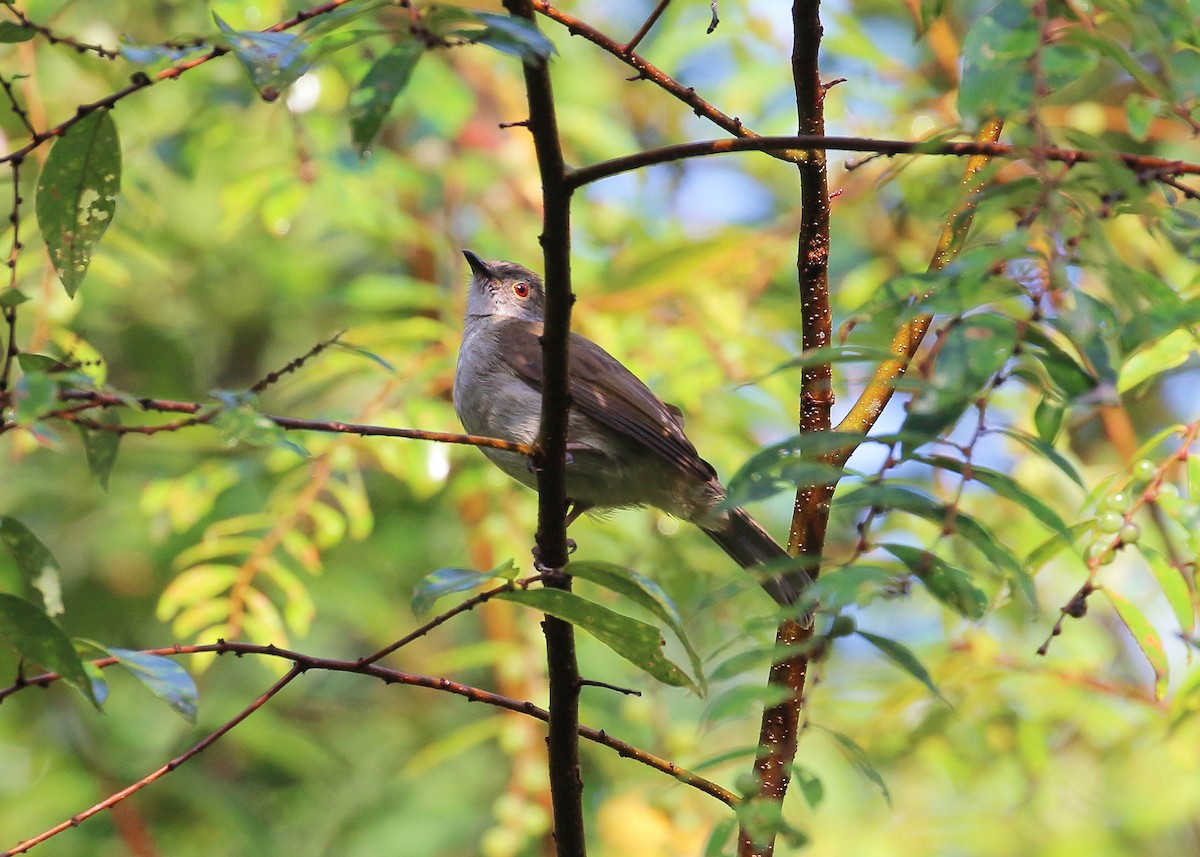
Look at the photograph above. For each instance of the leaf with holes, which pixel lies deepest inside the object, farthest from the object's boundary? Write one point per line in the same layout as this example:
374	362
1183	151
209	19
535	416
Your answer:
40	572
77	194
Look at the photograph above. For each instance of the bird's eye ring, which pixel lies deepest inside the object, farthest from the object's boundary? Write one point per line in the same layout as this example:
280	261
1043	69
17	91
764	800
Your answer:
521	289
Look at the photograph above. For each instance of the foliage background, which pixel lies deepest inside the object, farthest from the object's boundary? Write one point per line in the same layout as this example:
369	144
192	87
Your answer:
246	231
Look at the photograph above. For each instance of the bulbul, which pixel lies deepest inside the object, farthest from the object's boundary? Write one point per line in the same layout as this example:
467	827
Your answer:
627	448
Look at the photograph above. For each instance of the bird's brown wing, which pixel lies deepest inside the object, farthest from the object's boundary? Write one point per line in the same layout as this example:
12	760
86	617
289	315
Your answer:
604	390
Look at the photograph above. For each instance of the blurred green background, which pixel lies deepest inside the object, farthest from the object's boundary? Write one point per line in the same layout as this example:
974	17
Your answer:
248	231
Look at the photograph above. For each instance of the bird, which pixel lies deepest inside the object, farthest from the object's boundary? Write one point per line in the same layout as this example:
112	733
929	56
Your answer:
626	447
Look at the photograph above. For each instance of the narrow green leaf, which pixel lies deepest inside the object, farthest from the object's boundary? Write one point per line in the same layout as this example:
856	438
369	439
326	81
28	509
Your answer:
1146	637
743	700
722	833
367	353
1053	546
1171	351
646	594
810	786
35	638
1047	451
38	567
77	194
1048	418
848	353
900	655
947	583
101	447
1174	588
373	98
858	758
511	35
166	679
855	584
446	581
1002	484
637	642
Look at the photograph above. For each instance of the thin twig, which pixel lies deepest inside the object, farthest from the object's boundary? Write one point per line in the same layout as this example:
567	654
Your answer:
645	28
56	39
804	144
194	750
10	310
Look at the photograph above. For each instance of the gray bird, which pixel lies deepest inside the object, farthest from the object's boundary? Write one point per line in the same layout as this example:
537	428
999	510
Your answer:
627	448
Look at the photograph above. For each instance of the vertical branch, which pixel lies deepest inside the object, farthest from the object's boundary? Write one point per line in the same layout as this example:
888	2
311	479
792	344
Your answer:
10	306
810	514
566	782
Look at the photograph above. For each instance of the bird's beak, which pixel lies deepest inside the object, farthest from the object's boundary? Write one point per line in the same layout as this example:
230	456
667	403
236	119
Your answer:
478	266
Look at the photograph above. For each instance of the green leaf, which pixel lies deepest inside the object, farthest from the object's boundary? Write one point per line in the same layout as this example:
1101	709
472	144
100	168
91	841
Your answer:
273	60
1174	588
947	583
1054	545
77	194
101	447
12	32
446	581
646	594
858	758
721	834
1048	419
1002	484
855	584
810	786
38	567
900	655
166	679
828	354
35	638
511	35
12	297
1047	451
1171	351
637	642
1146	637
373	98
241	422
971	352
996	51
742	700
1064	369
794	461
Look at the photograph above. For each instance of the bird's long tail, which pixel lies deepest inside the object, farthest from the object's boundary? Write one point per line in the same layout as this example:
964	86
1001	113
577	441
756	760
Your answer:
744	539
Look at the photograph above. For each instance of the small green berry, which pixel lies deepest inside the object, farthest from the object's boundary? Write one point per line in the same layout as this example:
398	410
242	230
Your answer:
1130	533
1118	501
1110	522
1101	553
1144	470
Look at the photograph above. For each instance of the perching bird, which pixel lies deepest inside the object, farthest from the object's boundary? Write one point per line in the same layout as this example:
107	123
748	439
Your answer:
627	448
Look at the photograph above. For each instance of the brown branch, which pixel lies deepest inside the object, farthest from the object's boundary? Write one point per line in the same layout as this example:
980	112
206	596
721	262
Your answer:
802	145
10	312
566	780
779	731
878	392
648	71
194	750
111	400
627	49
302	663
55	39
272	378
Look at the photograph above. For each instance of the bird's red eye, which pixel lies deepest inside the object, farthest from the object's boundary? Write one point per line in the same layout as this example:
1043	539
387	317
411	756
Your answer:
522	289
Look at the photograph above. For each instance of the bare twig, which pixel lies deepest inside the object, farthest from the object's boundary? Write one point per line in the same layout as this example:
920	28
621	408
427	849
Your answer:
645	28
1147	166
57	39
194	750
10	309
